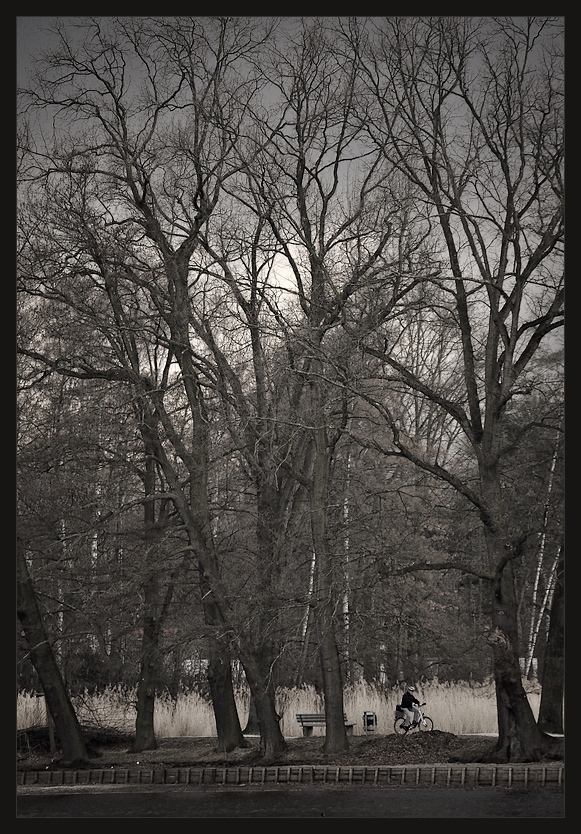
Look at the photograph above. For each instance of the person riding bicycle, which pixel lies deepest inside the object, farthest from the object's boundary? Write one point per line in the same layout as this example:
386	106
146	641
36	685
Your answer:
410	708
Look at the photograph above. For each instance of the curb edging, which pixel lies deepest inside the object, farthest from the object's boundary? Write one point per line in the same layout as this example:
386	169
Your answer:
440	775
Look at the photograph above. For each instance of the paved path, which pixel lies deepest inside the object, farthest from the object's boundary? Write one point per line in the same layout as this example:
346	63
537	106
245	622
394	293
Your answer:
291	802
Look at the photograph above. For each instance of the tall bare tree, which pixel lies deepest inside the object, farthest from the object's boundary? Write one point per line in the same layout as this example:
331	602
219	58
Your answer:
329	208
134	189
470	111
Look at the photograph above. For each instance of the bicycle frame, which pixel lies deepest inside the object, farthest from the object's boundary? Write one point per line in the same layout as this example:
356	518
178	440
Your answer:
424	723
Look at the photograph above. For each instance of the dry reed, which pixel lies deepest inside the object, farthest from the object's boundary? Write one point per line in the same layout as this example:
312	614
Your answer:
459	707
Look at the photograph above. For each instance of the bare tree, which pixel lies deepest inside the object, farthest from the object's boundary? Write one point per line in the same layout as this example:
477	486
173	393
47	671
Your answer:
328	205
470	111
134	191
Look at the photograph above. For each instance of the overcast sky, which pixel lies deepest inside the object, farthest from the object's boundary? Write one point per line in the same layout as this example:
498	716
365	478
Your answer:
30	40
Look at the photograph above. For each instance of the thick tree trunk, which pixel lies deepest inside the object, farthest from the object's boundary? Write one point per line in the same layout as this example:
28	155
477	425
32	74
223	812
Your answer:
336	737
272	742
258	661
70	736
252	726
551	709
228	728
519	738
259	656
259	653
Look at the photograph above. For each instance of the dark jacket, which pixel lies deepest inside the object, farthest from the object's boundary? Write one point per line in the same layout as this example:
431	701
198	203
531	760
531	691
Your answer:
408	700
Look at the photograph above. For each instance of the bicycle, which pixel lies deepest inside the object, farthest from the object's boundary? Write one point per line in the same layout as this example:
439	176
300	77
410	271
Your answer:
424	724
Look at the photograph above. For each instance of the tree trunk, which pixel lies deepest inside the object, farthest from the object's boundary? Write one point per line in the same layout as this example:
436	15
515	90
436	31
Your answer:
336	736
228	728
252	727
551	708
537	616
259	653
144	721
75	752
519	738
272	742
153	612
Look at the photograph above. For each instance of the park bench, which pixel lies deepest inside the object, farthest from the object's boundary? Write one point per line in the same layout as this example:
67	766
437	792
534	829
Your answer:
308	720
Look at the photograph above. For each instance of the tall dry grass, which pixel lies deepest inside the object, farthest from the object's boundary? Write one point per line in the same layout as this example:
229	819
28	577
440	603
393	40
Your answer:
459	708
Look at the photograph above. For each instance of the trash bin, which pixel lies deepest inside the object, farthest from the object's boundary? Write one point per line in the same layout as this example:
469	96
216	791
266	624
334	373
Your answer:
369	722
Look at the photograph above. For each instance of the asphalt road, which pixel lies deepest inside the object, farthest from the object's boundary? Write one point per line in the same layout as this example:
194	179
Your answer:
297	802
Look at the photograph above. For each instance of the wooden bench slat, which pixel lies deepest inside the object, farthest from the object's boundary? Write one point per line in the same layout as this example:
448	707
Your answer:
308	720
309	717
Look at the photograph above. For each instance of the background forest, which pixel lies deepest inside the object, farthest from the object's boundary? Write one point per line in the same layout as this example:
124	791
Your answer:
290	362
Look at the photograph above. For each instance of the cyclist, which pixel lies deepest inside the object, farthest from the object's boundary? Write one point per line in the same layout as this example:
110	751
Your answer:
410	705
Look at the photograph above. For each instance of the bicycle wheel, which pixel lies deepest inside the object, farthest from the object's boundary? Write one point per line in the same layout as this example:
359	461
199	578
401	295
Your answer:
428	726
398	727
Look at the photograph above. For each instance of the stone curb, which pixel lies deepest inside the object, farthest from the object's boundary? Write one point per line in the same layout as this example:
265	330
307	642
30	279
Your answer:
440	775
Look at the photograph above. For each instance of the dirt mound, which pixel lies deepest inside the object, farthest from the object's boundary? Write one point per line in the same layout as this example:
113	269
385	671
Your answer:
417	748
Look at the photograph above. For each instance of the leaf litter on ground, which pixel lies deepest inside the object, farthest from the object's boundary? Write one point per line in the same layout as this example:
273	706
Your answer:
436	747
